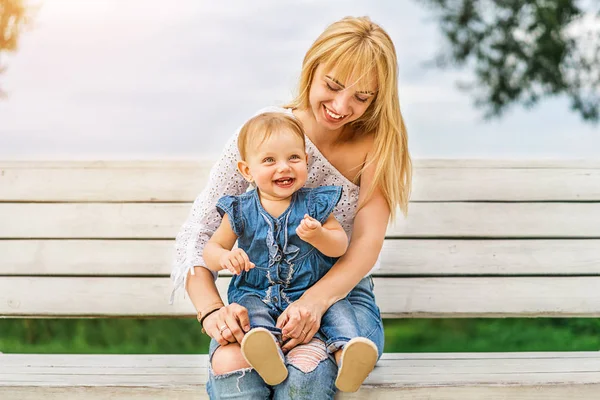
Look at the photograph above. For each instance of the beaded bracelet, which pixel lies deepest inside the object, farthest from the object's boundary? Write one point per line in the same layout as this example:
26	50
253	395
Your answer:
203	317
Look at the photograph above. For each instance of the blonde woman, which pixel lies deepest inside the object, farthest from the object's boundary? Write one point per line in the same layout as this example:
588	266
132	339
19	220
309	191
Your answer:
355	138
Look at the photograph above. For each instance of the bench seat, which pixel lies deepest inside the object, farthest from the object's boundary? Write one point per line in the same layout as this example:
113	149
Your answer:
483	239
449	376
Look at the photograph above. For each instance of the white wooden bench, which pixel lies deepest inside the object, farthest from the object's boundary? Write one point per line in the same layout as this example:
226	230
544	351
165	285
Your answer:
483	239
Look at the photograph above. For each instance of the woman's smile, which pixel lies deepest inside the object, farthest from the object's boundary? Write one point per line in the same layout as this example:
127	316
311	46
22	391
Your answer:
332	116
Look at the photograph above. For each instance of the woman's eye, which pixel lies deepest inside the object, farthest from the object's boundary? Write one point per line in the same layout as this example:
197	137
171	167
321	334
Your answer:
362	99
331	87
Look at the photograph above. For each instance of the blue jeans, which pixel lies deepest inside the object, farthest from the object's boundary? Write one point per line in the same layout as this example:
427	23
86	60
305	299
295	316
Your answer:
338	324
316	384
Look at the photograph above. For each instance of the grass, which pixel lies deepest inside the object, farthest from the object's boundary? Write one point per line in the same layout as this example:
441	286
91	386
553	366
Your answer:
183	336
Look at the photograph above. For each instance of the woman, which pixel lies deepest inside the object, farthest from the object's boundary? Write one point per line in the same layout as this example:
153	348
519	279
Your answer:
355	138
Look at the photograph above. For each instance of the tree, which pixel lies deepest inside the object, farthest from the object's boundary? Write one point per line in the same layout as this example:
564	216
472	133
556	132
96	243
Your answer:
521	51
13	15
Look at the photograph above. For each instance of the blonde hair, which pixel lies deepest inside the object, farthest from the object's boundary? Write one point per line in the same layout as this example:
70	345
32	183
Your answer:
262	126
357	47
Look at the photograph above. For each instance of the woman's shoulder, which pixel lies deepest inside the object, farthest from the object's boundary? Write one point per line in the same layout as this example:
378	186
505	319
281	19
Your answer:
364	142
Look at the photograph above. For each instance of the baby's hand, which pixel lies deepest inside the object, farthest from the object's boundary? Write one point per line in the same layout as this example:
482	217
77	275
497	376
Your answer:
309	228
236	261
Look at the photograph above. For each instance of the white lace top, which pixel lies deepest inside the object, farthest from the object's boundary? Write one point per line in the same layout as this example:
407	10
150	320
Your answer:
224	179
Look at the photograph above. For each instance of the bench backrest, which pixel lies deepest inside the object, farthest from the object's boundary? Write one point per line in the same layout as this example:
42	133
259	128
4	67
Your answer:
483	238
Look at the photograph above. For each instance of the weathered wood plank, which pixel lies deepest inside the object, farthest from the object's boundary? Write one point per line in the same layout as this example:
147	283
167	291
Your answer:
394	378
116	181
396	297
490	257
92	220
499	220
488	391
86	257
182	371
195	360
398	257
413	376
505	184
426	220
166	181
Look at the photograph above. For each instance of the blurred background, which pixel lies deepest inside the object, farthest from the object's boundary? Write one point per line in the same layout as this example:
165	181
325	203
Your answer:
147	79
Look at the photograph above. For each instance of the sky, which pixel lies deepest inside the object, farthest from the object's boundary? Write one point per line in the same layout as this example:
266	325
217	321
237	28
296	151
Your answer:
149	79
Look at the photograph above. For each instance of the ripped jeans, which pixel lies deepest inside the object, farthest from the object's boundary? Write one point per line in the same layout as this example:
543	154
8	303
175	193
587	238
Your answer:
317	382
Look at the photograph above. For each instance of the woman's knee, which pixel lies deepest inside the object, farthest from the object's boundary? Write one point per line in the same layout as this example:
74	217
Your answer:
311	378
228	359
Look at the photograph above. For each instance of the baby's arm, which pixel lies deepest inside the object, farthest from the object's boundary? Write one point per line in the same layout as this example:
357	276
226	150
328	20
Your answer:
329	238
218	254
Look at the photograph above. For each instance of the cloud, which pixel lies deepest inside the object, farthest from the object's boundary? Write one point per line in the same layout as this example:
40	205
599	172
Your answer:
146	79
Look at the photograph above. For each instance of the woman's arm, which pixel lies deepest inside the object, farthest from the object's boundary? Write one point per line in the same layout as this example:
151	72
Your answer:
204	219
189	270
370	225
205	297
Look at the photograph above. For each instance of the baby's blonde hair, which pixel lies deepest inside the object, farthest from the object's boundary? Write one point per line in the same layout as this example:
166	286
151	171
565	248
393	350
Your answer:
357	47
260	128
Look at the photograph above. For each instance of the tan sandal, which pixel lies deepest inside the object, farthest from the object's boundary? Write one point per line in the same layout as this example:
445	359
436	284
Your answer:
261	350
358	360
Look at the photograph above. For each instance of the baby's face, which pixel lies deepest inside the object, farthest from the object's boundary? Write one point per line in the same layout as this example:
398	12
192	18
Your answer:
278	166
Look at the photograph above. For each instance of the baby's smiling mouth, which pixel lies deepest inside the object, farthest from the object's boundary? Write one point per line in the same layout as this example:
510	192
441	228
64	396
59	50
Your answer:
284	181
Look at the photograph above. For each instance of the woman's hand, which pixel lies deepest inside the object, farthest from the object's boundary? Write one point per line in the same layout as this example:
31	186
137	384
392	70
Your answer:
228	325
299	322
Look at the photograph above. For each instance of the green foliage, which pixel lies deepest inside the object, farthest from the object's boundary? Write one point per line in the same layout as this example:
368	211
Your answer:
183	336
521	51
110	336
491	335
13	16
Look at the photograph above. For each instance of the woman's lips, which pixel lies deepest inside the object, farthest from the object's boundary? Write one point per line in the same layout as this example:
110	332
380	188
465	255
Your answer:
328	115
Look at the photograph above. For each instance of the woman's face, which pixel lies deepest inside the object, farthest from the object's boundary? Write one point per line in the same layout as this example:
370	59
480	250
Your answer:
335	103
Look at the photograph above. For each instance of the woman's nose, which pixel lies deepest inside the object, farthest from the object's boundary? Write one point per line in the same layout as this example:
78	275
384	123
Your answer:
341	103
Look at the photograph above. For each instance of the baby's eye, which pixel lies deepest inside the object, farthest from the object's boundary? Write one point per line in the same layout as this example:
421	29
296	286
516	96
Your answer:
295	157
268	160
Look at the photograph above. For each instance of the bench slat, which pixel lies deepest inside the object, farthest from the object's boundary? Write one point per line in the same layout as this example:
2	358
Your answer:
426	220
397	297
399	257
111	181
397	368
117	181
488	391
402	375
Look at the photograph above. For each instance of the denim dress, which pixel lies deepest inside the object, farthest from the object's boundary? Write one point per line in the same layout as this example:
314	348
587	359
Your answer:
285	265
